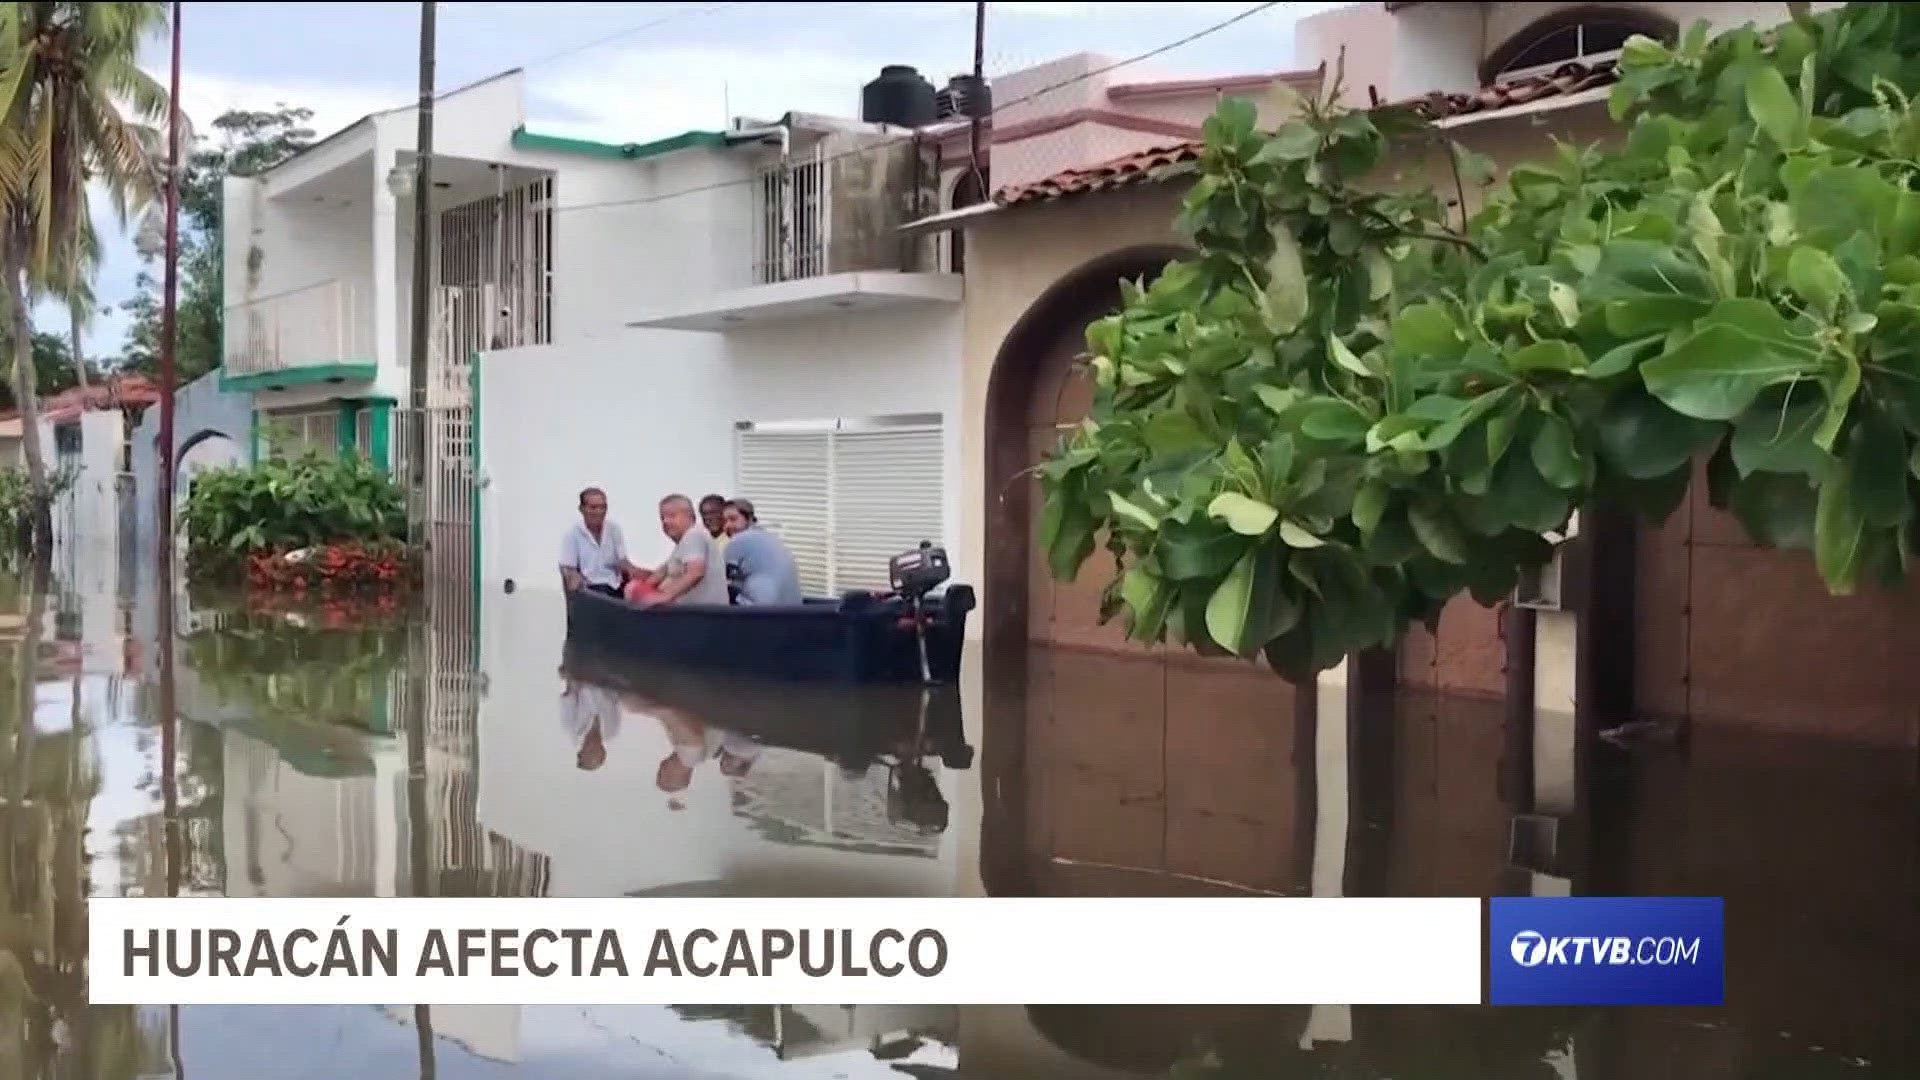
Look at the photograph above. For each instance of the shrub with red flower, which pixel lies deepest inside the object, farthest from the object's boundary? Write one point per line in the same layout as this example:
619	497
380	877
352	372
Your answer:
344	567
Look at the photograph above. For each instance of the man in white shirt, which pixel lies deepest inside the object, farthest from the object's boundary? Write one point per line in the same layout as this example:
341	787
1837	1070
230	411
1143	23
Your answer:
593	554
591	715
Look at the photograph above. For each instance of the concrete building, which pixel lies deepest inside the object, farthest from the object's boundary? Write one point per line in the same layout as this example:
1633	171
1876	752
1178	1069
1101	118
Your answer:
796	349
1189	740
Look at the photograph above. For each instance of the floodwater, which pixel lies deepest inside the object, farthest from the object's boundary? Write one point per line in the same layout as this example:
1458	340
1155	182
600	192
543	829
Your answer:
311	752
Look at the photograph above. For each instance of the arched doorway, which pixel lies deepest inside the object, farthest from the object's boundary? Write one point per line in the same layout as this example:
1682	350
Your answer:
208	449
1110	756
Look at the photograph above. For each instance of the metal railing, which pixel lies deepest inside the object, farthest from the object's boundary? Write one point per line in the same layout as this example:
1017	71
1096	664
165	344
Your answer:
328	323
794	220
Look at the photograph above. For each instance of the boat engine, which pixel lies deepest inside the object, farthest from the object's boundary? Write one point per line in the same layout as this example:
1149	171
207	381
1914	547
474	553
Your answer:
914	574
920	571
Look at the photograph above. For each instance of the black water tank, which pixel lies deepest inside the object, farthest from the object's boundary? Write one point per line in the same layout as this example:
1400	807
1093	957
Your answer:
899	97
966	96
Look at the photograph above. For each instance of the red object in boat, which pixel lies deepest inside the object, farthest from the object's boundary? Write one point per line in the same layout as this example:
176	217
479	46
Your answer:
639	589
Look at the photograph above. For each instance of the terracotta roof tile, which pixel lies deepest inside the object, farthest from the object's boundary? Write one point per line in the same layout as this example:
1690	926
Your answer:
1155	163
1569	78
1161	162
113	392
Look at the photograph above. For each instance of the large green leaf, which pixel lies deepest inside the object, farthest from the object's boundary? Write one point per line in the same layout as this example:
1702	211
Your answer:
1425	330
1199	551
1817	278
1776	435
1556	456
1148	598
1776	509
1876	471
1644	439
1645	286
1248	609
1243	514
1838	533
1286	293
1438	534
1716	372
1773	107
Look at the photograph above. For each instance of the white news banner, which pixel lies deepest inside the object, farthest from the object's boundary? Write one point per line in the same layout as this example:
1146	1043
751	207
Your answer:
963	951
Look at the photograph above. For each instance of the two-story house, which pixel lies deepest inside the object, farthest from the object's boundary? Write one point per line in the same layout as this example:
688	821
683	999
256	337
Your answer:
767	329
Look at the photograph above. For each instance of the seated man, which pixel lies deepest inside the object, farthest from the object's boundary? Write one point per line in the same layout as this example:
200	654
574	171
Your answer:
767	572
593	554
693	574
714	519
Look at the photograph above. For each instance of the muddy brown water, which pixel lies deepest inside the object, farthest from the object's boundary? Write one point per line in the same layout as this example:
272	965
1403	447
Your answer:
534	774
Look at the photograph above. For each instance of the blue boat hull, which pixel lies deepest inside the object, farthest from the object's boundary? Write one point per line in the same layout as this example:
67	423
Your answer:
857	639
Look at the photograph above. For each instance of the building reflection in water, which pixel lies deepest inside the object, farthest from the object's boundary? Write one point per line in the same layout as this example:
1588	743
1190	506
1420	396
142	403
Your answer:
321	761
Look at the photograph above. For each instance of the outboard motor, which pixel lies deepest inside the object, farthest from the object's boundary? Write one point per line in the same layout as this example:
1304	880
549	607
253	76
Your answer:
917	573
914	574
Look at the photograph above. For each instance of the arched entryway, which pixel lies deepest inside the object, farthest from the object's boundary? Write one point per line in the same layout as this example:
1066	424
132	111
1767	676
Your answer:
1112	757
206	449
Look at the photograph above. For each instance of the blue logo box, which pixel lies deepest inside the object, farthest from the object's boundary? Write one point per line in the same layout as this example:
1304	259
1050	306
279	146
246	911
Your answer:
1606	950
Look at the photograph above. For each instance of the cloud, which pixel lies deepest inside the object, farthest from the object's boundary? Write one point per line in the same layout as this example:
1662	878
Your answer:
207	95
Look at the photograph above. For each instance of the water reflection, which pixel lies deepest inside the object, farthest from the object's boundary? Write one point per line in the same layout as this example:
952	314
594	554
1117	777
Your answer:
393	754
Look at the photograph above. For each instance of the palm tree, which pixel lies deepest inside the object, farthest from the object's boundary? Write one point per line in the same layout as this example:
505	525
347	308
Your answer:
67	72
71	282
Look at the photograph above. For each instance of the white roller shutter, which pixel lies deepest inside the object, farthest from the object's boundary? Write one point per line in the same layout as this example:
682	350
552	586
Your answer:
846	496
786	475
886	499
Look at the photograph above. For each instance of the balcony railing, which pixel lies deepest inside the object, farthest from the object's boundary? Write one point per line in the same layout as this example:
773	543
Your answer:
328	323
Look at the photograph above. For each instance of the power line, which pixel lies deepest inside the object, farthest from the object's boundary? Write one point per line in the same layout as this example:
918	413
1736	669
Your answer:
1215	28
706	9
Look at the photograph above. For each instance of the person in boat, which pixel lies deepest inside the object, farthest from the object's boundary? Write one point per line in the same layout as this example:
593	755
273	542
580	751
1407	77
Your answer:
759	560
593	555
693	574
591	715
713	515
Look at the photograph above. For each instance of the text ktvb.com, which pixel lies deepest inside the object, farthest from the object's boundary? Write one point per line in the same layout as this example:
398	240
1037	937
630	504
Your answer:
541	952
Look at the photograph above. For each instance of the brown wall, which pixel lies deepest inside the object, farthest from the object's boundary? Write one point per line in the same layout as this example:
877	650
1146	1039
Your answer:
1731	632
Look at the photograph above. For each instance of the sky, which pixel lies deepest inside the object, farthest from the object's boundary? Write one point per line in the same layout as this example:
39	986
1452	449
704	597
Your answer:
633	72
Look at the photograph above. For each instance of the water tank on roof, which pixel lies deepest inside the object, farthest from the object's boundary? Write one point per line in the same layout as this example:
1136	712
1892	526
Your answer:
899	97
965	96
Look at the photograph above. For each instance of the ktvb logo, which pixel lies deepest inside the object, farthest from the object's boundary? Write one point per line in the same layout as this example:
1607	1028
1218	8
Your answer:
1530	948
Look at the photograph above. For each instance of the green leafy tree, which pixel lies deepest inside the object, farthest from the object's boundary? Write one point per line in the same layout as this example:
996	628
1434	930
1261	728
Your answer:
245	143
53	367
1345	411
71	83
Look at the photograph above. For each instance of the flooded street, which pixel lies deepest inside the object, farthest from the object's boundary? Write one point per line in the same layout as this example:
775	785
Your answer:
398	758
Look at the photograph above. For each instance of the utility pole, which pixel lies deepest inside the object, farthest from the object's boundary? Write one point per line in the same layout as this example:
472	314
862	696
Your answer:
175	853
422	277
979	80
169	342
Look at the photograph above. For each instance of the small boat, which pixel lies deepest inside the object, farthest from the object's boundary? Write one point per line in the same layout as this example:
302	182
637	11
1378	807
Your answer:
912	634
851	725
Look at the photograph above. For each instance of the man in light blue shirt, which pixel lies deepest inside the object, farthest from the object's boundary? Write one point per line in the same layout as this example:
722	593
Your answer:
765	567
593	554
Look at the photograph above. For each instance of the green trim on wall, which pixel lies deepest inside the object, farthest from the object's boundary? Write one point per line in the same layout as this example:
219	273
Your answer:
527	140
300	376
343	429
380	429
473	429
381	722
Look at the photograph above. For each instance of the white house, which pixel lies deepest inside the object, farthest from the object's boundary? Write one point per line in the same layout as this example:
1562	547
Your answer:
732	312
762	327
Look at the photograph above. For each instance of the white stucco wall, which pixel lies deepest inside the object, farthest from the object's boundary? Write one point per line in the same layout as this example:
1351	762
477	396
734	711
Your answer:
637	413
854	366
645	412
